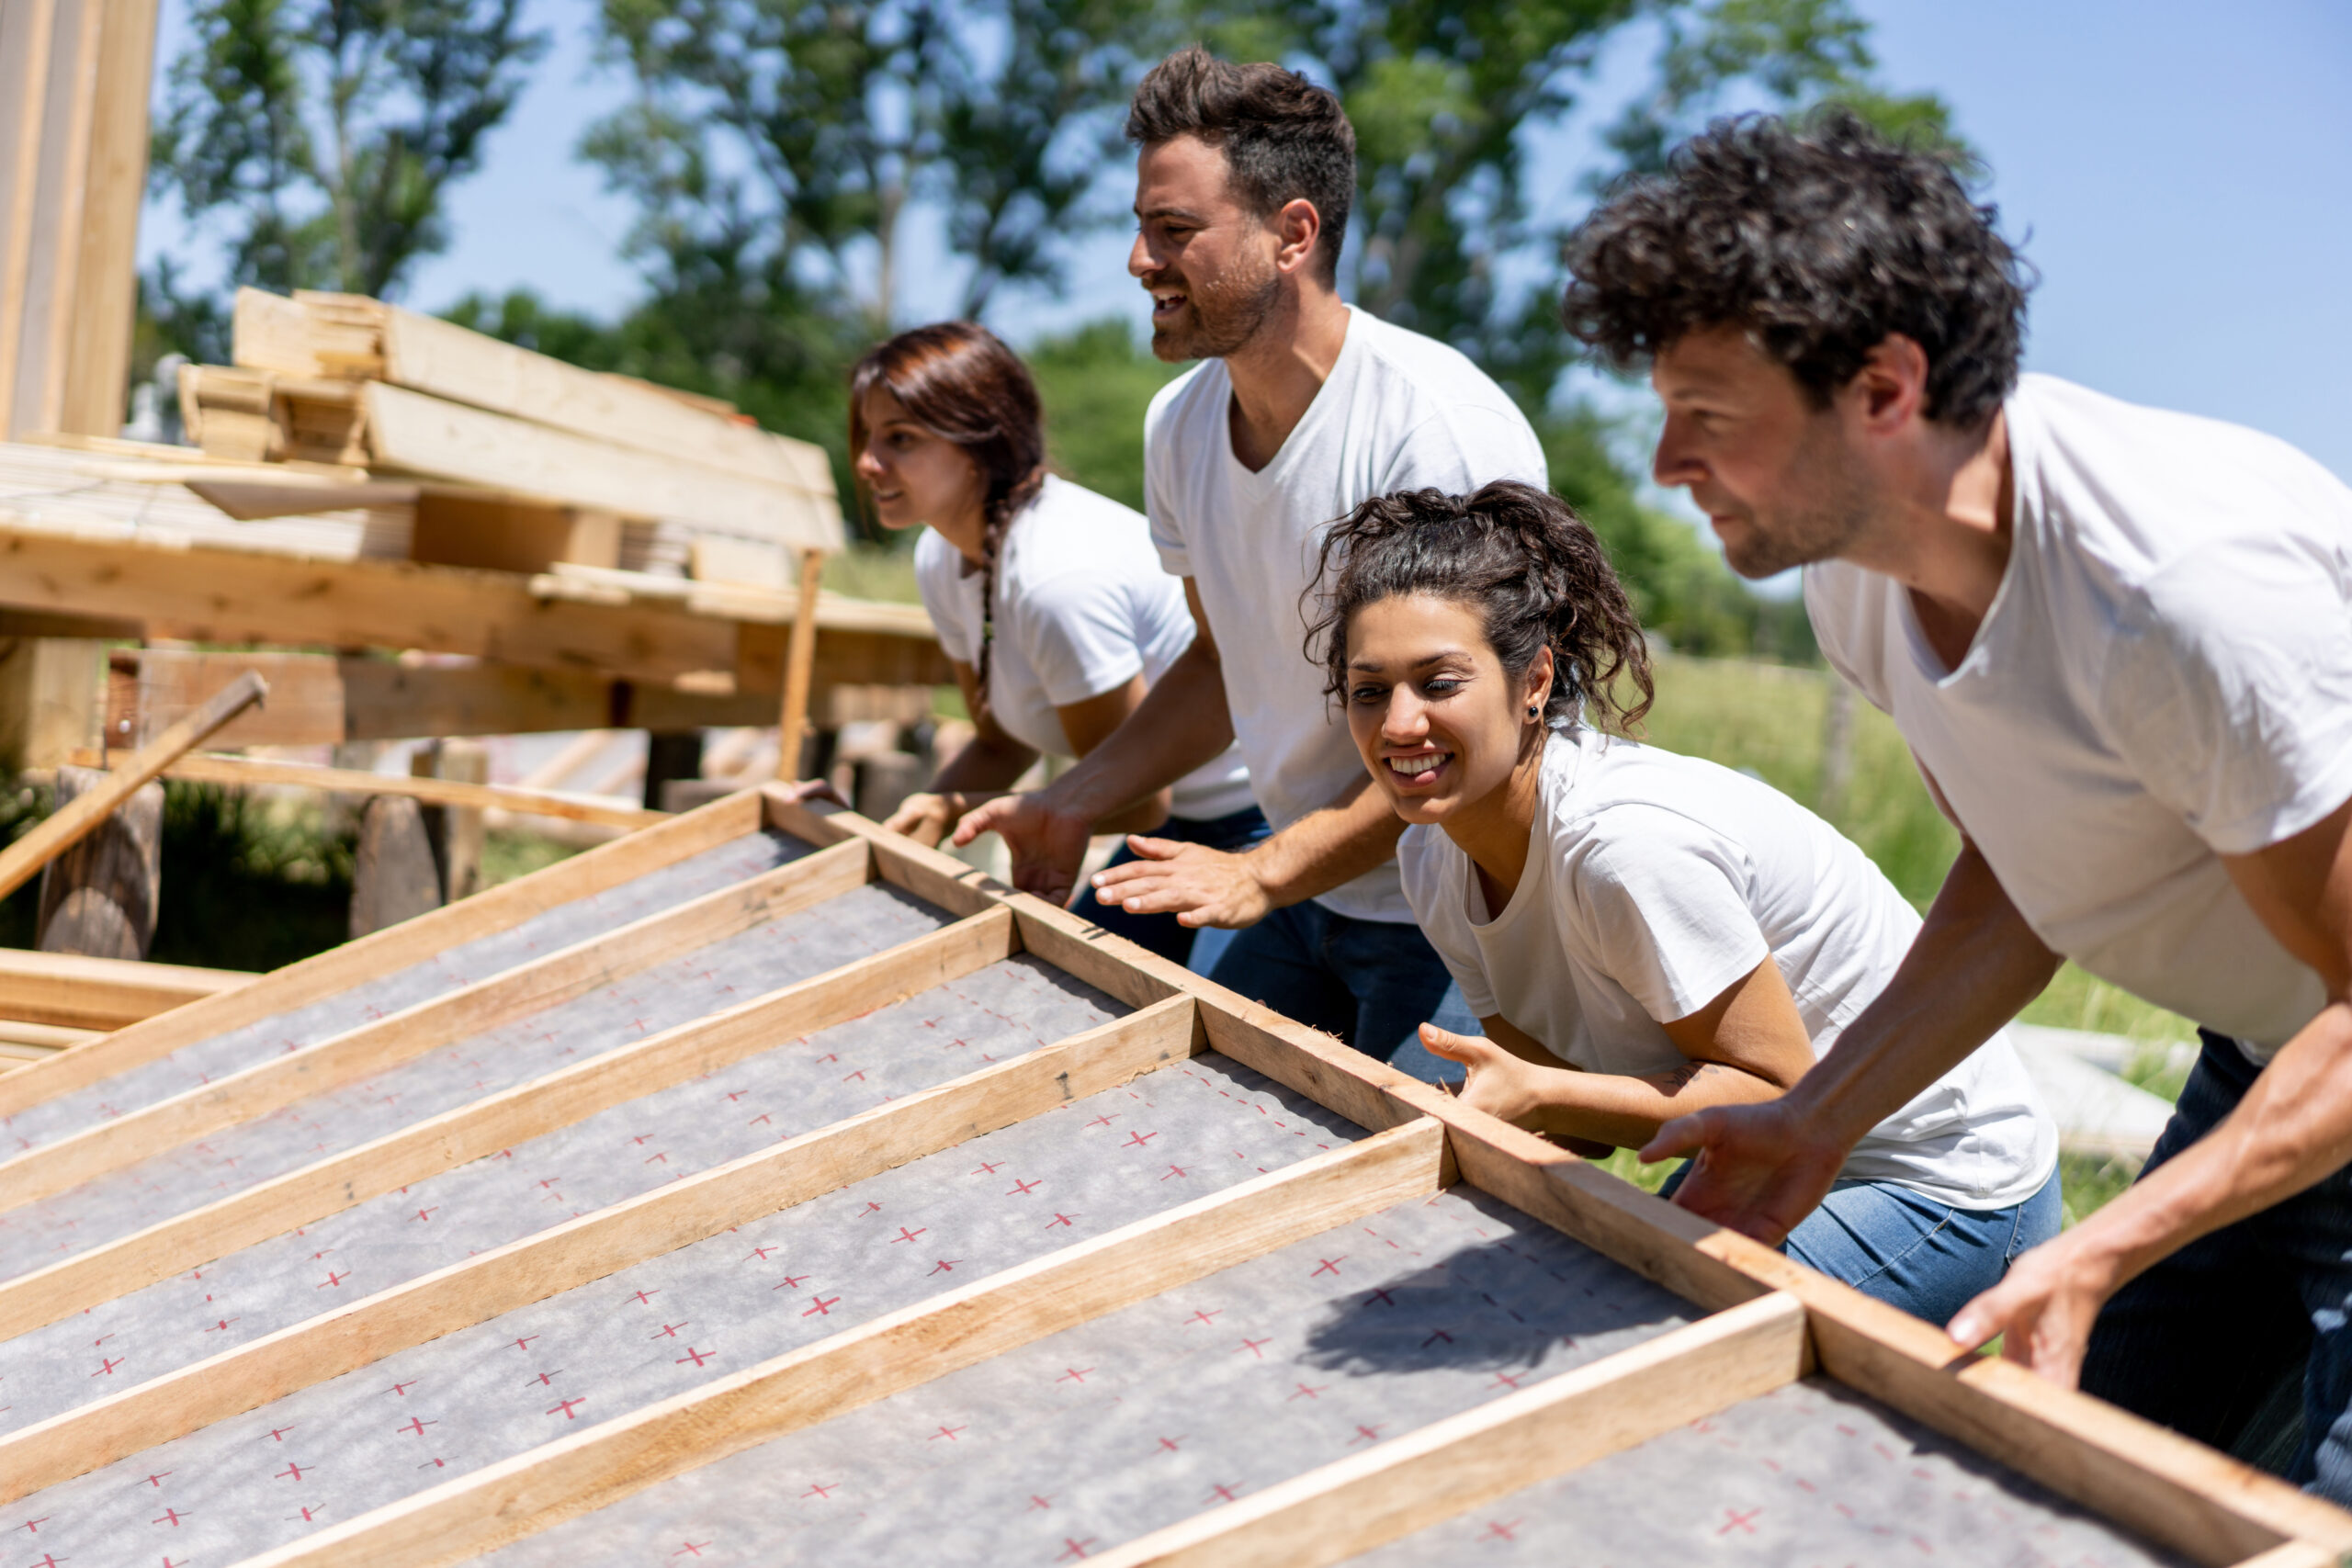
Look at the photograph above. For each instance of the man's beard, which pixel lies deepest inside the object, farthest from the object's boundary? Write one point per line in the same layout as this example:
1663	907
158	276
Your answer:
1834	513
1219	317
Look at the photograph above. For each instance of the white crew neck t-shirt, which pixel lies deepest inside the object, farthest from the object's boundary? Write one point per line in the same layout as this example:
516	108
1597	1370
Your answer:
1081	609
2165	676
1398	412
1653	881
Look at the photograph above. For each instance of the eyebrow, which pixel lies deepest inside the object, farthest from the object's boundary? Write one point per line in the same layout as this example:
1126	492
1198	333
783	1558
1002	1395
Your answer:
1439	657
1180	213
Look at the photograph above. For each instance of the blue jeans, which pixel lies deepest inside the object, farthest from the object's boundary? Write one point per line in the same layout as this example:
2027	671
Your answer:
2243	1339
1164	934
1372	983
1911	1251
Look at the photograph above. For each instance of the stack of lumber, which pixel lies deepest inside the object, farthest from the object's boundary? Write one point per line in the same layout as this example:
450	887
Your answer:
517	461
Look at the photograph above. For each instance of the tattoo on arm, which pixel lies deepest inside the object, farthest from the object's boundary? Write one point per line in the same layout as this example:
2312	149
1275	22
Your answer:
1682	1077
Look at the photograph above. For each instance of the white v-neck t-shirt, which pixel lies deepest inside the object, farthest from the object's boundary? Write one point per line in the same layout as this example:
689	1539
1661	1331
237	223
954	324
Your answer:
1082	608
1653	881
1398	412
2165	676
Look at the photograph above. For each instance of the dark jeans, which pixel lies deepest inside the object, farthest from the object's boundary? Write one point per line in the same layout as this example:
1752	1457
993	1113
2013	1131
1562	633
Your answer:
2204	1341
1163	933
1372	983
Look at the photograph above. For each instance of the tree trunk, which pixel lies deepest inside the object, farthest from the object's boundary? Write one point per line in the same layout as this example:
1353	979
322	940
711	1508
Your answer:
98	897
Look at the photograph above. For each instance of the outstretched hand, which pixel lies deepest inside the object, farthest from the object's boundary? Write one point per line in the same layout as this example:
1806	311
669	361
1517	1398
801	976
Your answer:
1200	886
804	791
1499	1083
923	818
1757	1170
2042	1308
1047	845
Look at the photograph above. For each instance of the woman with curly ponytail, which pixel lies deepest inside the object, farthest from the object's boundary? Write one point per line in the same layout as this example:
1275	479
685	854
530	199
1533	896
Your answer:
1642	934
1048	598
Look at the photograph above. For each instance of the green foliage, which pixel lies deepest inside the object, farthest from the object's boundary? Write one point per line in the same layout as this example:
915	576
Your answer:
320	136
1096	383
246	885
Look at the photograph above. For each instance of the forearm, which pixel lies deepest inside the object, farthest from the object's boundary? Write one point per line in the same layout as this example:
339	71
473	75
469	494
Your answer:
1181	724
1974	963
2292	1131
983	769
1325	848
1627	1111
1144	816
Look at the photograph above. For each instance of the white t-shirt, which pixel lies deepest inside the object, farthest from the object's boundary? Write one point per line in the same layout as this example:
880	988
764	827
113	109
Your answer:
1398	412
1081	609
2165	676
1656	880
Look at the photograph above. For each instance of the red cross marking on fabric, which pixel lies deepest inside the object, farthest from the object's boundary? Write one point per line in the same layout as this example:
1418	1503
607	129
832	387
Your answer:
1024	1187
948	1433
1169	1444
821	1490
1497	1530
32	1526
1075	1374
693	1548
760	1253
906	1235
171	1517
696	1357
292	1469
1306	1393
944	1266
333	1279
1201	1316
1329	1266
789	1282
1176	1170
644	1296
821	1307
988	1167
435	1464
566	1405
401	1389
426	1213
156	1480
661	1155
1074	1550
1252	1346
1739	1521
1103	1121
1381	1296
1038	1502
416	1426
221	1324
1366	1434
547	1378
524	1343
669	1330
871	1208
107	1364
1223	1492
1060	1219
47	1561
278	1434
551	1180
755	1121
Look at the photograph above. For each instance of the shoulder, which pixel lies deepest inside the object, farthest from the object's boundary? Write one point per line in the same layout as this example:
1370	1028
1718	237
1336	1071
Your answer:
1180	401
1448	421
1076	543
936	567
1847	606
1633	807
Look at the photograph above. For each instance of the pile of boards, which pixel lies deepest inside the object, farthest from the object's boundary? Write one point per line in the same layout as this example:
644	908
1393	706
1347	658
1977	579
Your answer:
765	1187
502	457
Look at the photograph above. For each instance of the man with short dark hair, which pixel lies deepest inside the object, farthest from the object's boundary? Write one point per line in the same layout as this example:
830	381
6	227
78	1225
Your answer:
1304	407
2120	643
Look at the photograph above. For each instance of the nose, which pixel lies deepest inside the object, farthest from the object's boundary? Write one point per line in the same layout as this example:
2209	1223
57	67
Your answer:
1674	463
1141	262
1406	719
867	465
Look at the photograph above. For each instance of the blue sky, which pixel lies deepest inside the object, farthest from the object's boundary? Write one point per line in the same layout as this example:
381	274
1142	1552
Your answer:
2180	173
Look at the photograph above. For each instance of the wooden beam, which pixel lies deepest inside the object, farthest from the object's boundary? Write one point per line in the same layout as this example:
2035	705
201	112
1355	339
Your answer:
1451	1466
22	860
340	969
588	1247
800	660
96	346
49	698
496	1121
201	593
574	972
558	1481
84	993
248	772
39	1040
409	433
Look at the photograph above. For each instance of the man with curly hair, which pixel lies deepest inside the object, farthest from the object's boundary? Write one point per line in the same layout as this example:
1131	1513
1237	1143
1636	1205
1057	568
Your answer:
2118	641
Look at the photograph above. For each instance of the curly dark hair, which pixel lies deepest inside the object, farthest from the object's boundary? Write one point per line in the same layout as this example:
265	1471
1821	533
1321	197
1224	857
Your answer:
1285	139
1821	239
1523	558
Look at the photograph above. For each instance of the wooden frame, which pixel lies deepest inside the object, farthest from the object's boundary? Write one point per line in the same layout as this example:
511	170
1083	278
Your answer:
240	773
1772	1319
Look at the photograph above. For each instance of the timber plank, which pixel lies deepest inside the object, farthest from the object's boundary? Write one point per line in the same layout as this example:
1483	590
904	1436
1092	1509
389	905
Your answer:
74	991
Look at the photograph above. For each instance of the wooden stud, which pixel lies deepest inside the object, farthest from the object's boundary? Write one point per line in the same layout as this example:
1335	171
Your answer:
558	1481
496	1121
799	659
1451	1466
100	896
29	30
23	859
76	991
93	386
576	971
228	1007
393	878
593	1245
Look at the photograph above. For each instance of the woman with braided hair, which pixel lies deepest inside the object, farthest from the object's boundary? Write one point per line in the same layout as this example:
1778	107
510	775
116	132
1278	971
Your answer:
1048	598
1642	933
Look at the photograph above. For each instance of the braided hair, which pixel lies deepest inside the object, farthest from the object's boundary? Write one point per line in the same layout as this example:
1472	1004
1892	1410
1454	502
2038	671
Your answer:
958	380
1520	557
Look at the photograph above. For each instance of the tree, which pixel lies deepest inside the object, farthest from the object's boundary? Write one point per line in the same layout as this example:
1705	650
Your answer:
326	133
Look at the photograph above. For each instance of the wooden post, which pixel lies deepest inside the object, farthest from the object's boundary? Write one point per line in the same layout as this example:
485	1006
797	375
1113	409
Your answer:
69	825
457	831
800	656
393	876
50	698
99	896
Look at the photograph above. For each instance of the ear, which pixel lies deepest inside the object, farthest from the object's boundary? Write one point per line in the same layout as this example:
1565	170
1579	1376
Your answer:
1890	390
1297	228
1540	673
